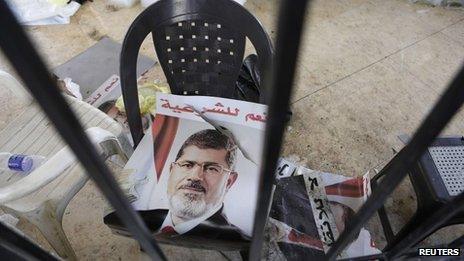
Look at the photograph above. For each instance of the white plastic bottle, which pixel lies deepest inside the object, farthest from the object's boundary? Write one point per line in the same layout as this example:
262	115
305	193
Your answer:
19	162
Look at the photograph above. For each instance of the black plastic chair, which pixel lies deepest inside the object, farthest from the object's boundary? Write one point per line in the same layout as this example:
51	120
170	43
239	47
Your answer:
436	179
200	45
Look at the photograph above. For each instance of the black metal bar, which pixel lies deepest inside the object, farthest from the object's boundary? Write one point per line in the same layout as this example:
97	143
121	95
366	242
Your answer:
280	80
14	246
28	64
448	104
12	252
382	213
432	223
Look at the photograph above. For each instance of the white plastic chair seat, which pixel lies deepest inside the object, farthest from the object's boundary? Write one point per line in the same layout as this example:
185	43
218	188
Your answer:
33	134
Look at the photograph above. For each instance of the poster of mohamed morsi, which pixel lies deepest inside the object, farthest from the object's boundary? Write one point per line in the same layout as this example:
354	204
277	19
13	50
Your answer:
194	176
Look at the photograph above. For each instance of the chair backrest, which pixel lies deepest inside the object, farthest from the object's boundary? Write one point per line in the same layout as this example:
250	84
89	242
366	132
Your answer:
199	56
200	45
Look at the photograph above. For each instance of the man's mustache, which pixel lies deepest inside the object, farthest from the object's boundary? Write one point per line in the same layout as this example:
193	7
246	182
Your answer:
194	185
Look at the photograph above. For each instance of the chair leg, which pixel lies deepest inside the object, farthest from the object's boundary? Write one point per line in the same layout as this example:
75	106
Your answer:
245	254
49	222
405	230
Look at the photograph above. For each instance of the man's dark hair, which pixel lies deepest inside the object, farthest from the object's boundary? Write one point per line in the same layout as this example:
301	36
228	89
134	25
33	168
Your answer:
212	139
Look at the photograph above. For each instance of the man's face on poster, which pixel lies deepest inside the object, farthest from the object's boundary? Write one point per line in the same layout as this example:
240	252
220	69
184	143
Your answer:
198	181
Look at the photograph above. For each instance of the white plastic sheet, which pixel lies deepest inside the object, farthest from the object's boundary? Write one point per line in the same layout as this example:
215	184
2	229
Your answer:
42	12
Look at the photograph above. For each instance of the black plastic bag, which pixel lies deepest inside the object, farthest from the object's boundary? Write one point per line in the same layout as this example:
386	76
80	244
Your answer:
248	82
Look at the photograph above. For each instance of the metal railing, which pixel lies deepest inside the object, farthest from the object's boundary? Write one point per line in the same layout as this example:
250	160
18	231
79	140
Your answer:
19	50
29	66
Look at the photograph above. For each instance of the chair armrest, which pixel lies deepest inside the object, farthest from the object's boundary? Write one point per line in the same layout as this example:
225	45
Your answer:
52	168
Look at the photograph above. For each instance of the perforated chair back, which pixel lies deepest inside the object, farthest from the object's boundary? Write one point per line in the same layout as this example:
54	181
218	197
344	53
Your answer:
200	56
449	163
200	45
